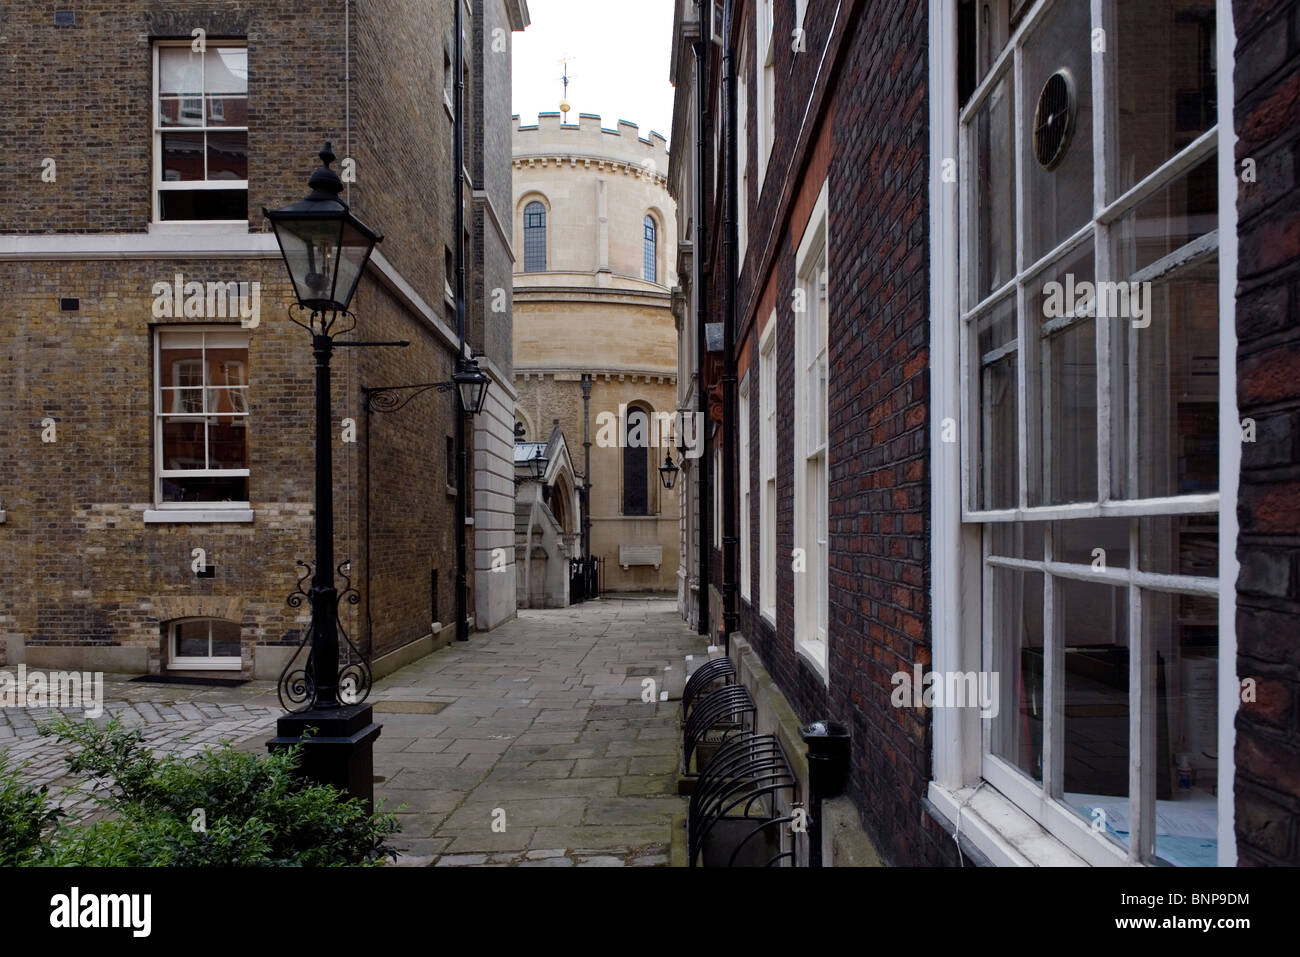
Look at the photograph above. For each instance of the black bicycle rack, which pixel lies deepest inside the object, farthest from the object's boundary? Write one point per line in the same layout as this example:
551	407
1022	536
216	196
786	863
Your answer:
703	679
714	718
735	816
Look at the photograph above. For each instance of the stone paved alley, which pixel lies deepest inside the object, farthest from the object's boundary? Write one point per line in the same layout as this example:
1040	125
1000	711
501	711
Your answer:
539	726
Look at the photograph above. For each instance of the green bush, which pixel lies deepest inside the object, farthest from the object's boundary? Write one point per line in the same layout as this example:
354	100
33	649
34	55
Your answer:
223	808
25	816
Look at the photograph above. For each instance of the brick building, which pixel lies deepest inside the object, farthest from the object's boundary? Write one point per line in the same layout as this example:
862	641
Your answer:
150	411
1093	537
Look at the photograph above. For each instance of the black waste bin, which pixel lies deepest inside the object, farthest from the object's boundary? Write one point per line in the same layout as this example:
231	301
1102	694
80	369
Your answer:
828	773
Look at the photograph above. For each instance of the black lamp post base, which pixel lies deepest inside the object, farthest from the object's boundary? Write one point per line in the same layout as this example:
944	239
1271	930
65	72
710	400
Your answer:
339	750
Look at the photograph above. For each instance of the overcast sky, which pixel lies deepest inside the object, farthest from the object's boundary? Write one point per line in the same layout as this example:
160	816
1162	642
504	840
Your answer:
620	66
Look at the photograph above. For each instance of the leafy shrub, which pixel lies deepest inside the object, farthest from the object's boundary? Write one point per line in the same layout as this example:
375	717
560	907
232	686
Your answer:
25	816
223	808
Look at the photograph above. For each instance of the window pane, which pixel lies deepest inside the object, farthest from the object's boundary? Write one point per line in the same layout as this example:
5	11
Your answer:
1017	729
182	157
535	238
1092	620
994	375
635	470
180	71
1062	384
1076	542
180	111
1182	631
225	639
227	70
993	256
227	111
1170	422
230	489
1017	540
227	443
1165	84
1180	545
192	639
227	156
1174	216
1059	199
183	444
184	204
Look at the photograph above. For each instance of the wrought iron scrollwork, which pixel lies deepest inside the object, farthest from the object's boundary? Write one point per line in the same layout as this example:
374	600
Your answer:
320	323
395	398
296	687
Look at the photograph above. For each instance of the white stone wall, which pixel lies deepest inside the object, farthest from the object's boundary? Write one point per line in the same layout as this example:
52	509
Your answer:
494	504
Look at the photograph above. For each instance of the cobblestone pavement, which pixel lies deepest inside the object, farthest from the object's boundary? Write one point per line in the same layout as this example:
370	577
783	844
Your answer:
177	719
545	733
537	727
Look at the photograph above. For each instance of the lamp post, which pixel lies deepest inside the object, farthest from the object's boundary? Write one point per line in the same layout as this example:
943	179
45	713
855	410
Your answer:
326	249
668	472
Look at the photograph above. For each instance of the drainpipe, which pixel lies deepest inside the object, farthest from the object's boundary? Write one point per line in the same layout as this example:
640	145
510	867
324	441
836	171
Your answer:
704	486
458	138
730	540
586	467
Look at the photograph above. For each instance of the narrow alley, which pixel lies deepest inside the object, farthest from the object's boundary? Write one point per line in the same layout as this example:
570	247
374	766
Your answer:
533	746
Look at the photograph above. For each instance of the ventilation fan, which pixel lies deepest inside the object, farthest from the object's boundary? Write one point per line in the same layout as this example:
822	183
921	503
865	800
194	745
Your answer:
1054	119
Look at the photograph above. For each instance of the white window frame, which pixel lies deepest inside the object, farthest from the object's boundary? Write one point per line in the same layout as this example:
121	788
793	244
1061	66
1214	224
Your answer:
767	432
1013	822
177	663
766	80
810	439
159	184
744	489
159	414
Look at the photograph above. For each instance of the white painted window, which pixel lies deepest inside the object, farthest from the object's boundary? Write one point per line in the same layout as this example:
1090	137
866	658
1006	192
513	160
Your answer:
744	490
201	417
200	133
767	470
1090	425
811	558
766	80
204	644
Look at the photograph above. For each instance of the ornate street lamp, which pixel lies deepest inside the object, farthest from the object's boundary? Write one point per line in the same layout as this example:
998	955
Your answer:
668	472
473	385
326	249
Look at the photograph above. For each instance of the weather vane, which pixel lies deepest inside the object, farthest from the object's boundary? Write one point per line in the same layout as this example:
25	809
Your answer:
565	106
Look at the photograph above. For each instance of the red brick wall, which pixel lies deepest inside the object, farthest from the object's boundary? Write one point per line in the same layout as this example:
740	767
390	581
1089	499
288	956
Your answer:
869	138
1267	79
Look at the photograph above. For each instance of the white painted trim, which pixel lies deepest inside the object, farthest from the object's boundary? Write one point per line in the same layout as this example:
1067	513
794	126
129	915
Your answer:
955	732
184	243
1006	835
198	516
1229	437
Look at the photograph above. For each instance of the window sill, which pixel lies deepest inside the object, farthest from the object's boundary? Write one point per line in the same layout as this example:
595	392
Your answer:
996	828
451	492
232	227
446	105
198	516
206	664
814	652
2	517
